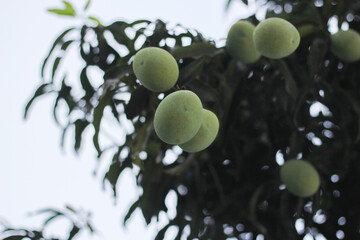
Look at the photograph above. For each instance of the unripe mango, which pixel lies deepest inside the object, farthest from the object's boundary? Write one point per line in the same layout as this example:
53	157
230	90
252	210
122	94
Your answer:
206	134
276	38
345	45
156	69
178	117
300	177
240	44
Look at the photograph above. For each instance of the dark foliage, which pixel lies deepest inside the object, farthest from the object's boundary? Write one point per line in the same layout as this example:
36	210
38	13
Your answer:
79	221
267	112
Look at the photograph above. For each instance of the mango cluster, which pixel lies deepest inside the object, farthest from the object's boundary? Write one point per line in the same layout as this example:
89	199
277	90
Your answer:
273	38
180	118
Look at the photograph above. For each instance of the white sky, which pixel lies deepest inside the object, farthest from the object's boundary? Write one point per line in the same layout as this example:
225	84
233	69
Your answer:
34	171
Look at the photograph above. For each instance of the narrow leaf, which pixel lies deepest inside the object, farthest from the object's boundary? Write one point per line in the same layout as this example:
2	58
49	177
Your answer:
55	67
115	169
40	91
290	83
117	72
59	40
62	12
47	221
141	21
71	209
87	5
80	126
66	44
17	237
63	135
105	100
92	18
227	6
90	227
75	230
161	234
86	85
131	210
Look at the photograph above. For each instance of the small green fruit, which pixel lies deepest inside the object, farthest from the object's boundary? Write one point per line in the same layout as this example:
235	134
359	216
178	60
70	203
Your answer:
178	117
240	44
156	69
276	38
345	45
300	177
206	134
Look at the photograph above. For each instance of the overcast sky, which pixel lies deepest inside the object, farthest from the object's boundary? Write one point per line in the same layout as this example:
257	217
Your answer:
34	171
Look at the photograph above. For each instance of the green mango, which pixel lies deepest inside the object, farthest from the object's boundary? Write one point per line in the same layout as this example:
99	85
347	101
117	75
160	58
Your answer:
345	45
206	134
276	38
240	44
300	177
178	117
156	69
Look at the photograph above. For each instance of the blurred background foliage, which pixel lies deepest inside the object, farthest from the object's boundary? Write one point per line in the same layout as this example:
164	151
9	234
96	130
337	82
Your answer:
304	106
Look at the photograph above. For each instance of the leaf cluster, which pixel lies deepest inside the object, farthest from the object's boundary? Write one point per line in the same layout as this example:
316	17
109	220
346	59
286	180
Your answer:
79	221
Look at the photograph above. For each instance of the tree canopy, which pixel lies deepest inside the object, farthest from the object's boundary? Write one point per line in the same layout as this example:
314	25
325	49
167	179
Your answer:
304	106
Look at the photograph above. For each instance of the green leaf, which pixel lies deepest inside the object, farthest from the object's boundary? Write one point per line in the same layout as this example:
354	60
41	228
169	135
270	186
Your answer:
47	210
117	29
64	94
131	210
42	89
92	18
63	135
80	126
66	44
90	227
161	234
71	209
115	169
290	83
191	71
140	141
86	85
227	6
195	50
55	67
245	2
181	168
17	237
116	72
59	41
138	102
87	5
104	101
254	201
62	12
140	21
67	11
317	54
75	230
47	221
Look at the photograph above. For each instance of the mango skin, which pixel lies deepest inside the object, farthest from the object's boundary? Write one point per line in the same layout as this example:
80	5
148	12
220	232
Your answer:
240	44
345	45
178	117
300	177
156	69
206	134
276	38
